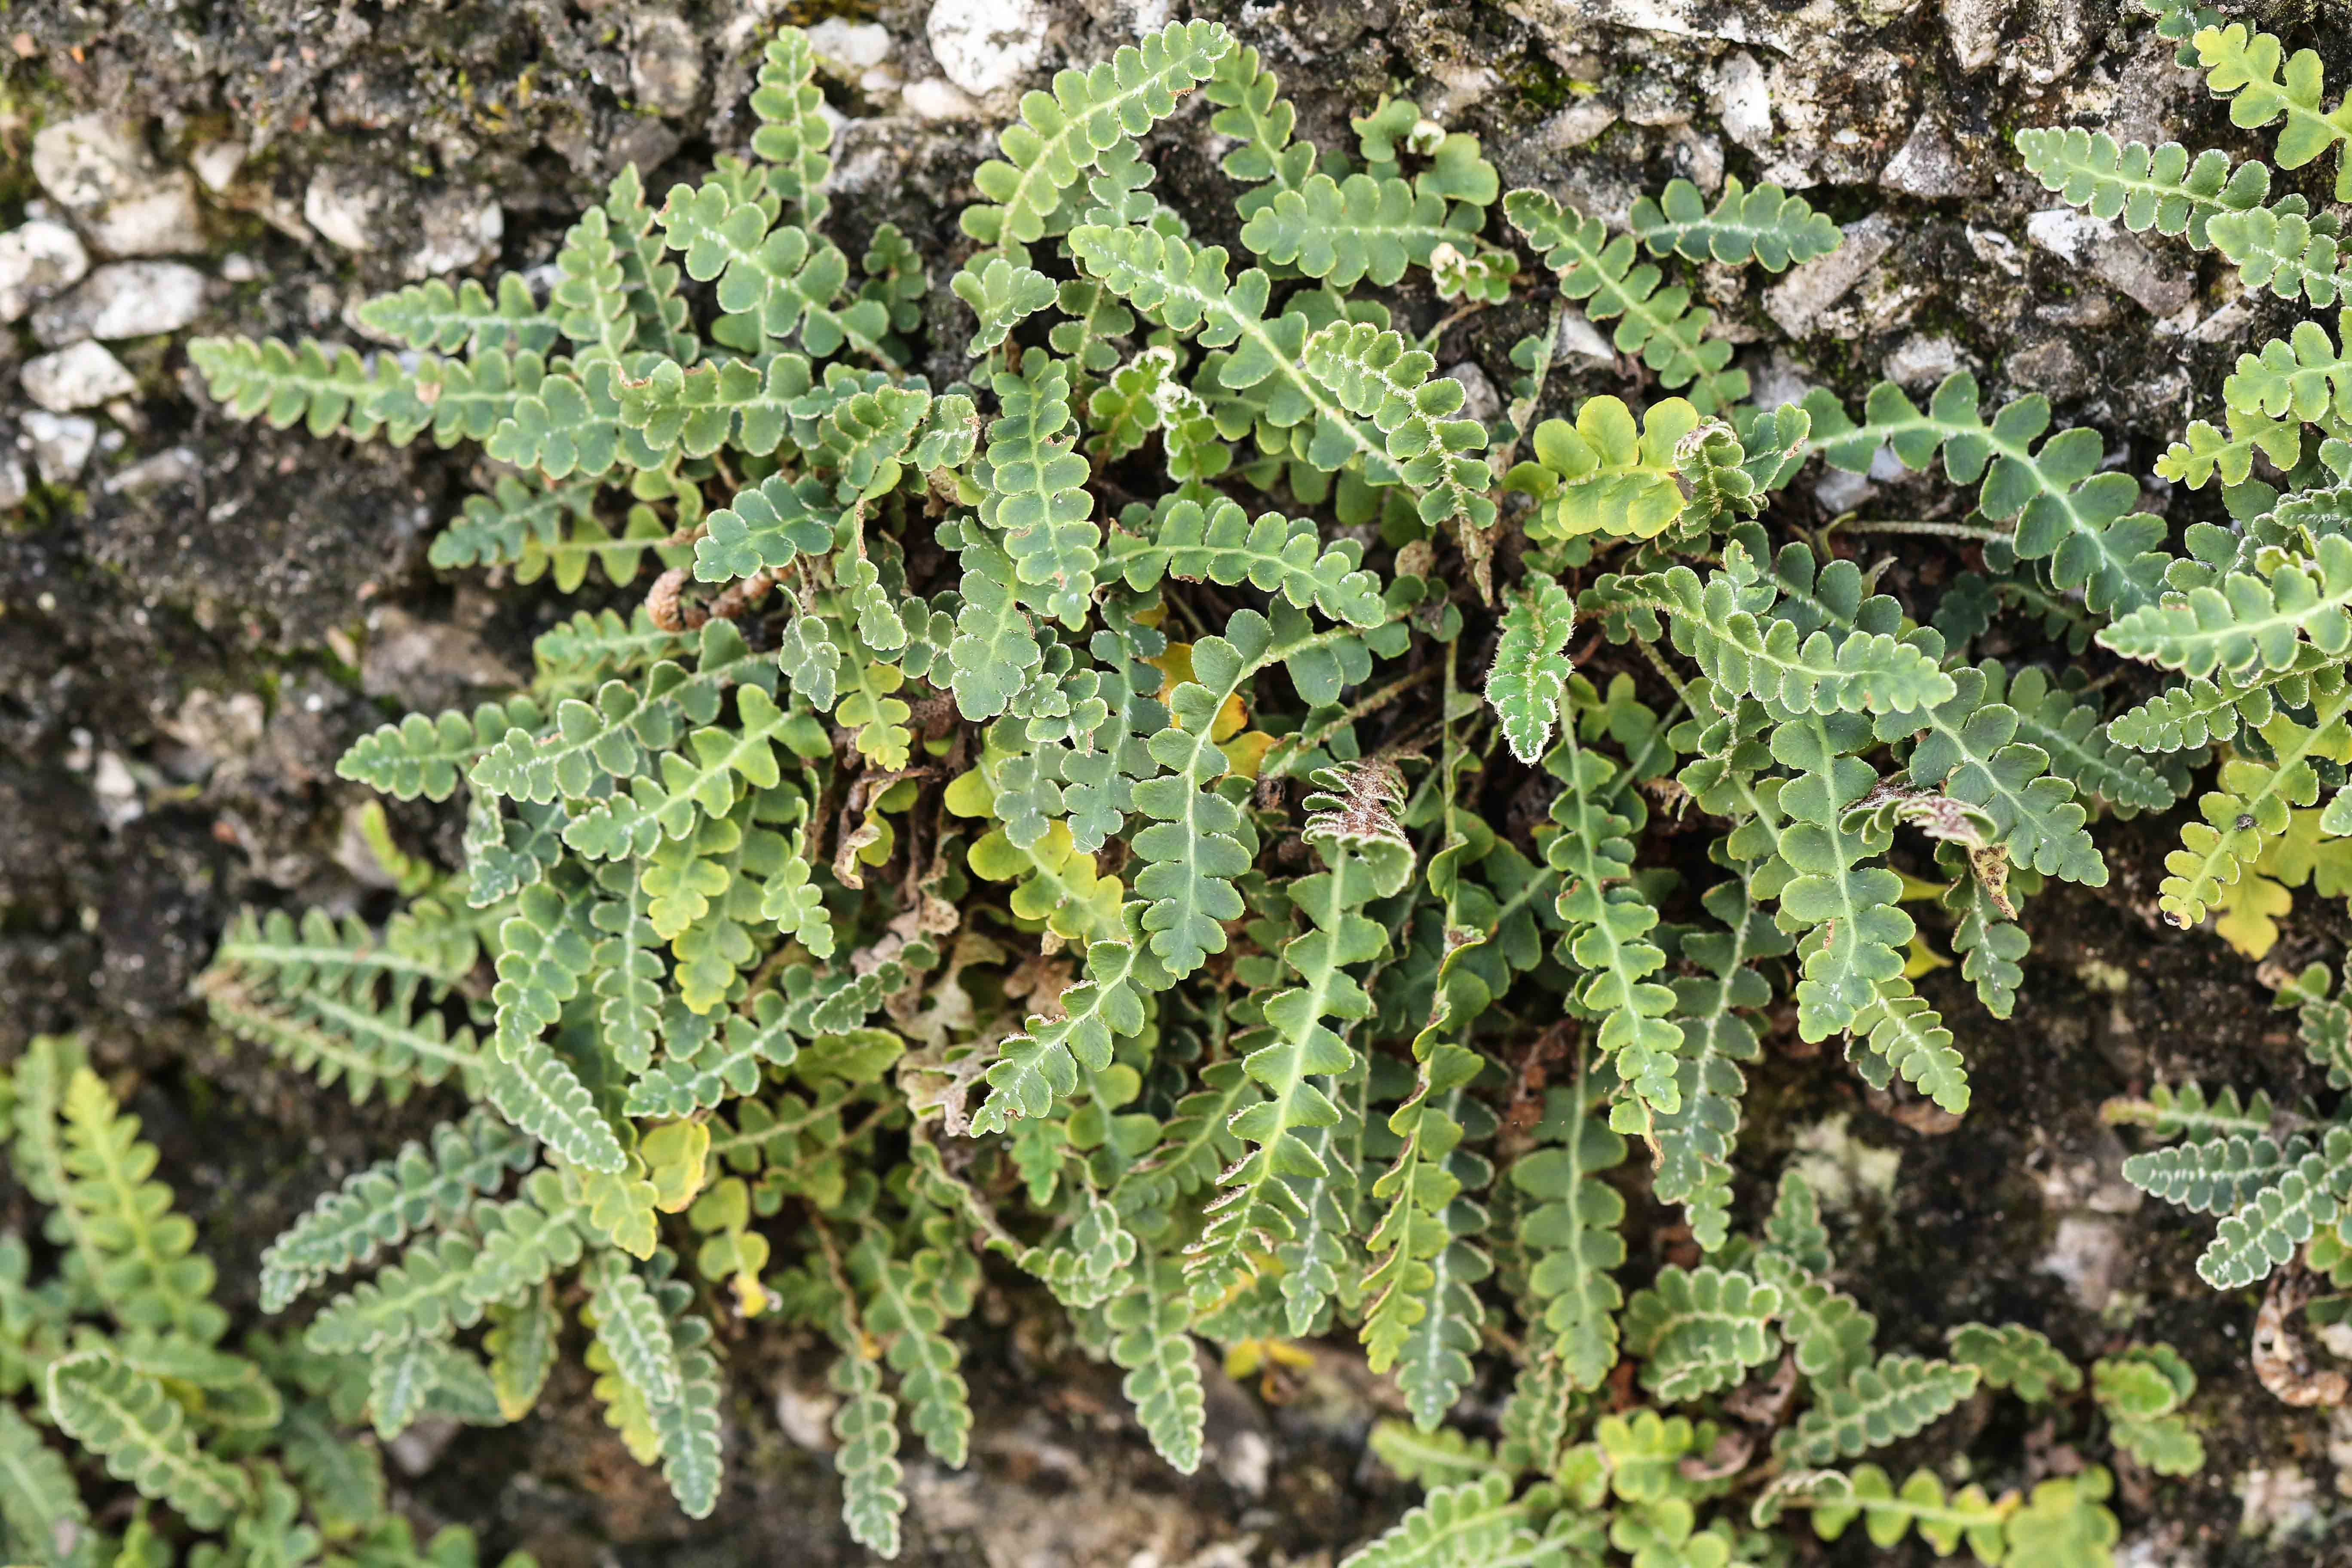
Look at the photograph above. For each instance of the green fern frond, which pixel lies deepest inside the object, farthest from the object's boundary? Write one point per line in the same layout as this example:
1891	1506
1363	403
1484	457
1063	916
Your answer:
388	1202
1766	225
2162	187
1895	1398
130	1420
1572	1235
1059	135
1345	231
2244	64
794	133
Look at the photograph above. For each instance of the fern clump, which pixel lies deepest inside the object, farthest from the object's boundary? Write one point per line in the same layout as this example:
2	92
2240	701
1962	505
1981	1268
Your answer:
1129	817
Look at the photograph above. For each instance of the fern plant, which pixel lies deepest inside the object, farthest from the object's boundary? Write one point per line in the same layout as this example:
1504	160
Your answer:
1066	817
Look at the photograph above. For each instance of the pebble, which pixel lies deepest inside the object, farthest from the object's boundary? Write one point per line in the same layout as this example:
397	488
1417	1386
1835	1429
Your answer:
1581	343
216	164
935	98
60	443
1921	360
987	46
857	45
37	259
12	488
1577	124
82	376
90	160
123	299
1929	164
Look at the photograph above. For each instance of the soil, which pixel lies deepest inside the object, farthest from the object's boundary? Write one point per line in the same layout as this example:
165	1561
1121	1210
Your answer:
193	630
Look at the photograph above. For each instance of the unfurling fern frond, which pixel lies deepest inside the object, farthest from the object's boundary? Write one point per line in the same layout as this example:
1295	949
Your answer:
1528	683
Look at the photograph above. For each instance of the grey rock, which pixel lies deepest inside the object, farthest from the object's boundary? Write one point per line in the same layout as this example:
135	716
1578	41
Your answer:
82	376
428	665
1798	299
162	220
12	488
936	98
2051	365
1974	27
987	46
37	259
666	62
1840	492
1581	343
1930	164
2115	255
90	160
857	44
123	299
60	443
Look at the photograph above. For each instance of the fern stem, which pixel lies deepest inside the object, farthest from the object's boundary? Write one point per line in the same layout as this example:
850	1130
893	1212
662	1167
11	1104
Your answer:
1917	525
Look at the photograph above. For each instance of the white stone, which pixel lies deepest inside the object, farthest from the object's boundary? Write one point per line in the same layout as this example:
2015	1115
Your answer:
461	229
37	259
987	46
13	489
61	443
2088	1254
123	299
82	376
162	220
1741	102
90	160
216	164
1809	289
935	98
342	206
1974	26
2064	232
854	44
